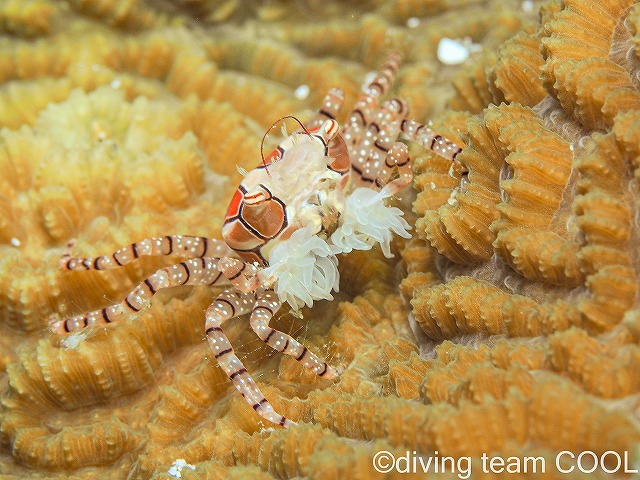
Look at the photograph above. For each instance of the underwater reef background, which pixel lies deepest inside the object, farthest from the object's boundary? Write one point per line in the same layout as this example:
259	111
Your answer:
509	325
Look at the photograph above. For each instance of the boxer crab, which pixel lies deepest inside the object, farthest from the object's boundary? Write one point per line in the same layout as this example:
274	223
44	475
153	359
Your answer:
283	230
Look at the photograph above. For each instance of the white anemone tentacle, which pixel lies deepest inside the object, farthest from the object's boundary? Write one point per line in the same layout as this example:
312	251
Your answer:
305	269
367	220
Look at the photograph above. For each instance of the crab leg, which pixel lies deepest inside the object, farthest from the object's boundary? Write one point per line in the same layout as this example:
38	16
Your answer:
398	156
185	245
337	149
383	80
241	274
225	307
373	150
263	311
361	115
200	271
366	104
330	108
429	139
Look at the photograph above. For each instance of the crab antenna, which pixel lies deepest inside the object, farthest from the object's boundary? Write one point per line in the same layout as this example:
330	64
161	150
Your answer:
267	133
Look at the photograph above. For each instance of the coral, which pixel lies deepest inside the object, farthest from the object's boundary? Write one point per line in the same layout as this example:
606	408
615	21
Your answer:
507	325
26	18
538	235
576	46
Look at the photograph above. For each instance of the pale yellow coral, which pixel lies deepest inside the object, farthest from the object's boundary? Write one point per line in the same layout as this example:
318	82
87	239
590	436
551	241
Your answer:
27	17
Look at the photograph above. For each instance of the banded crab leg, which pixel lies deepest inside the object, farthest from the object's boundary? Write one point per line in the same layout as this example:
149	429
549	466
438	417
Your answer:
337	147
429	139
398	156
372	152
200	271
330	107
226	306
185	245
266	306
362	114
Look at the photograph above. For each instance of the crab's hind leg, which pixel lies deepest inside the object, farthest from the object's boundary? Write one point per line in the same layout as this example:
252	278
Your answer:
185	245
264	309
225	307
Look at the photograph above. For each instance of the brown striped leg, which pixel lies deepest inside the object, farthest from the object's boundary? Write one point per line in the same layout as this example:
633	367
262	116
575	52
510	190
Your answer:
371	153
330	108
368	172
265	307
200	271
429	139
388	120
242	275
221	310
362	113
185	245
398	156
383	80
359	156
357	121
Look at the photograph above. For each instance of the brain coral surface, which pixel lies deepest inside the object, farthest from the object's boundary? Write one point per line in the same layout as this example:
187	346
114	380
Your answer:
508	326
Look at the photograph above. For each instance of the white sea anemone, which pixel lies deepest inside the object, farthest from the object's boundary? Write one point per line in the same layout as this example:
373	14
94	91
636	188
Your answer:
305	267
367	220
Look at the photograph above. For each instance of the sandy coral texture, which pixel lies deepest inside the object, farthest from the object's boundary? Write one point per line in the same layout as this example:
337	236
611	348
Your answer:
508	325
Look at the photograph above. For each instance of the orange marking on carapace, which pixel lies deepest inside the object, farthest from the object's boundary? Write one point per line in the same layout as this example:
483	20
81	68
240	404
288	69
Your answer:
234	206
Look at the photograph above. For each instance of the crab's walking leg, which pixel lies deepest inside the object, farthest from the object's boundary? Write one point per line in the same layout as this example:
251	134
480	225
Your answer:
201	271
384	79
241	274
369	156
330	108
185	245
364	108
429	139
330	135
264	309
398	156
227	306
